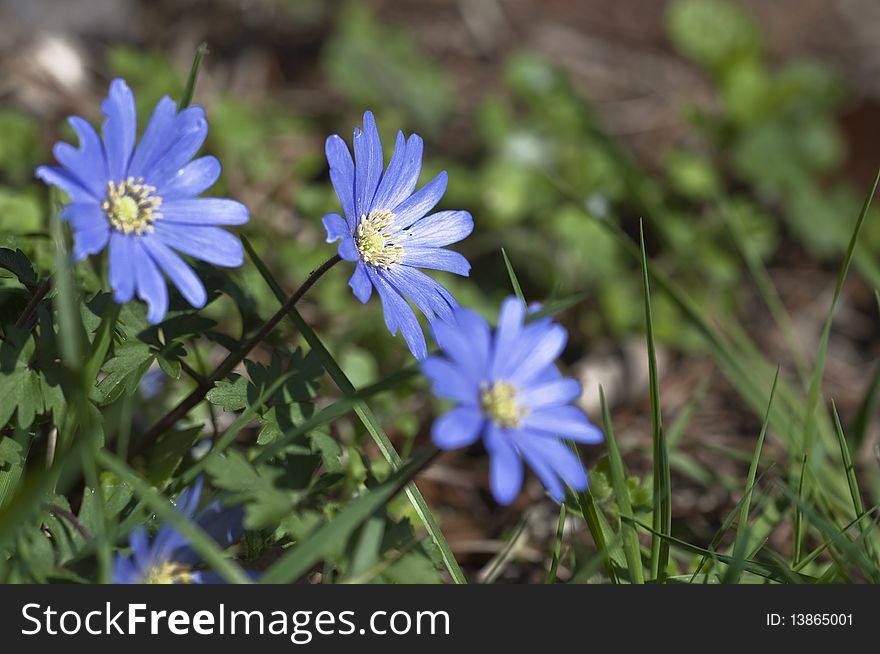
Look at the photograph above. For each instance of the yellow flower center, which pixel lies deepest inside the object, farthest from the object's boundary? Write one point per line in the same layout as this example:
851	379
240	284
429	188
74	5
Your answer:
377	238
499	403
131	206
169	572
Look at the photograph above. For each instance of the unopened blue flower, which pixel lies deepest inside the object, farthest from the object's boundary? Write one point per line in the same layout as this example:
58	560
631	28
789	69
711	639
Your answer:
169	558
141	200
509	391
386	229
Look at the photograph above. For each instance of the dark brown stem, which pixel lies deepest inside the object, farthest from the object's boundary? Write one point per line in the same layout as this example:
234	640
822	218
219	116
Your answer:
26	315
60	512
230	362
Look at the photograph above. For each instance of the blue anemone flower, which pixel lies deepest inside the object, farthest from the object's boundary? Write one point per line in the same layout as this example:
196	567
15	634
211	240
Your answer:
509	390
141	200
386	229
169	558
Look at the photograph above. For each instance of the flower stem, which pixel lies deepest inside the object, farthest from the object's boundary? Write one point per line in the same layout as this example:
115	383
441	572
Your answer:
231	361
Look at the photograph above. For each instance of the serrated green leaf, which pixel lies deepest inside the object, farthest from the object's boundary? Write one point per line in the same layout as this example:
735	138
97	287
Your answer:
123	372
230	396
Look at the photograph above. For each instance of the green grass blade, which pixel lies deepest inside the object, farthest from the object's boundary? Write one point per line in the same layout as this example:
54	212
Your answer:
598	531
514	282
367	418
201	542
662	516
190	88
822	351
742	529
557	546
630	538
300	560
851	479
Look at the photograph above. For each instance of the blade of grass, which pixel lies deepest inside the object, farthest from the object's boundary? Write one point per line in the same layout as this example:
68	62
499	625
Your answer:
822	351
557	546
367	418
190	88
662	515
517	289
630	538
851	479
496	566
741	542
201	542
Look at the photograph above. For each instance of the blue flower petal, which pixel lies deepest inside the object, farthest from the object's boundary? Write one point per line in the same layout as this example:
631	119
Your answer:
208	243
450	381
360	283
86	163
439	229
336	227
368	164
140	549
564	462
155	142
418	204
122	267
342	176
467	342
540	466
402	175
458	428
186	138
540	349
178	272
204	211
89	241
506	334
119	128
428	295
193	179
565	421
66	181
436	259
348	249
553	393
124	571
150	285
505	466
399	315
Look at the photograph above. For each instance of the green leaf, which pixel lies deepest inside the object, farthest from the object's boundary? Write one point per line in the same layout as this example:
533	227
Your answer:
168	452
230	396
253	487
16	262
11	463
124	371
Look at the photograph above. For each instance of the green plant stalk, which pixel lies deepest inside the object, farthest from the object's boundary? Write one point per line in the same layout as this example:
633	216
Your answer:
631	547
557	547
662	514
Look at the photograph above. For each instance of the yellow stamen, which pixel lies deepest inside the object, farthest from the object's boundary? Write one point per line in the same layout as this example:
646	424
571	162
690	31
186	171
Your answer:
499	403
377	239
169	572
131	206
